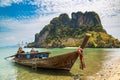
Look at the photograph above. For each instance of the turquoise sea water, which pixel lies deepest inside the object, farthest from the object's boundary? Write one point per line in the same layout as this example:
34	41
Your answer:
11	71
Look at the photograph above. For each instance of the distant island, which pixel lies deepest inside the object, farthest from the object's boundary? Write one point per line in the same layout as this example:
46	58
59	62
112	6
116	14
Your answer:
63	31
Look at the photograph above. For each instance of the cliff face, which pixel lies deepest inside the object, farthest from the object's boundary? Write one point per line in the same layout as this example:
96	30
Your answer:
63	31
88	18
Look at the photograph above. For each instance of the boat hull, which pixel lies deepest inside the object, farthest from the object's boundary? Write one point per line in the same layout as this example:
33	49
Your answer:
64	62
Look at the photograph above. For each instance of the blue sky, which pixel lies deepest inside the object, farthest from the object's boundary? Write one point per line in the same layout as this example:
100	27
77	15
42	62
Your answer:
20	20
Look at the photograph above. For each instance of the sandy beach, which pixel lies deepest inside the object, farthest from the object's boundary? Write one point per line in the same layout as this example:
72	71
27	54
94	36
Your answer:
109	71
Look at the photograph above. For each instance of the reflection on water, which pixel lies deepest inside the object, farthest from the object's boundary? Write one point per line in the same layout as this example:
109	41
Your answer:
93	59
25	73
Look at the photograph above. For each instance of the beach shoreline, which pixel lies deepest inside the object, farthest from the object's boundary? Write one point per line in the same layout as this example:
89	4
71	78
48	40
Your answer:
110	69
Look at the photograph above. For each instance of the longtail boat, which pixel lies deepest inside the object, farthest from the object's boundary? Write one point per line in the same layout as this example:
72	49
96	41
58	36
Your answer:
42	59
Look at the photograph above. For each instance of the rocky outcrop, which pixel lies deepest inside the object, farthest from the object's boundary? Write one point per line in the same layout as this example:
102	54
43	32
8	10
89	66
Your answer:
63	31
87	18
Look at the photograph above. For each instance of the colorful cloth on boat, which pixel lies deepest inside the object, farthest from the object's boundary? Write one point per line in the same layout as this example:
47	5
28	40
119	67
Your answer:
82	63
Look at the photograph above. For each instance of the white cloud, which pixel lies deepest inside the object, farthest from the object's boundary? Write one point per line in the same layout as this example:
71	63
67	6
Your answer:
107	9
8	2
22	30
5	2
68	6
10	38
102	7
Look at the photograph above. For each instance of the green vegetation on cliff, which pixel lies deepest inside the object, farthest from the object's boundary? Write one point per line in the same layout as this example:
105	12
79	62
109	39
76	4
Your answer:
63	32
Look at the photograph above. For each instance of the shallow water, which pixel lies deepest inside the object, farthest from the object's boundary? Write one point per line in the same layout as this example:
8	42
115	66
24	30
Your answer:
93	58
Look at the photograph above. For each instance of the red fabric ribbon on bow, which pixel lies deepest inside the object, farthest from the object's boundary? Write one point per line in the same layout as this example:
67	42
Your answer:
82	65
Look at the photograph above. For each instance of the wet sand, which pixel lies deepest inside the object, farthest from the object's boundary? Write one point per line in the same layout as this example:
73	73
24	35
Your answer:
109	71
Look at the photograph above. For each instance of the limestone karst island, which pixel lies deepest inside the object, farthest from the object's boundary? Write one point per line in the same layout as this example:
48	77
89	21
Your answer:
63	31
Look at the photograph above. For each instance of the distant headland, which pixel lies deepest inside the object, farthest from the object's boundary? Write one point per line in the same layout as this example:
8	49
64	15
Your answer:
63	31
